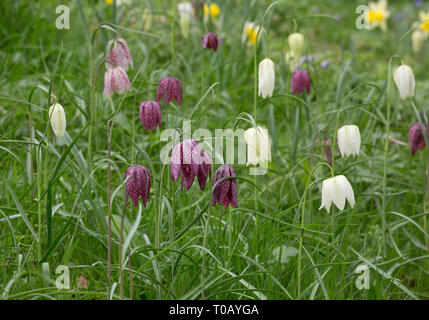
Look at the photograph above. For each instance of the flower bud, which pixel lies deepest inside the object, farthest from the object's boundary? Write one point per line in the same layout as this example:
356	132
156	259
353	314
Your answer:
337	190
57	118
404	80
327	150
415	137
349	140
266	78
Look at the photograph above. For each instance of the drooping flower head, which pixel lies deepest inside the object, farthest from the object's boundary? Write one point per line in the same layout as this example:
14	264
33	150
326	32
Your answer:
415	137
57	118
349	140
150	114
300	81
204	169
169	88
210	41
118	54
405	82
138	184
185	159
258	145
337	190
186	12
115	79
225	192
266	78
378	14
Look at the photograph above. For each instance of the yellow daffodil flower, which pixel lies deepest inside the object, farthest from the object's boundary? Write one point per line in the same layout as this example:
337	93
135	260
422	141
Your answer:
250	33
378	14
424	19
213	11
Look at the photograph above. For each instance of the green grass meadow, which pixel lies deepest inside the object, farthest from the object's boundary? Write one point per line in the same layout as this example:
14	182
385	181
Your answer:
276	244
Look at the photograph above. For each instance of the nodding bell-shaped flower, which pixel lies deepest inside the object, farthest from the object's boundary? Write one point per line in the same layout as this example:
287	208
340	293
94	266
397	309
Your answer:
404	80
115	79
296	44
225	191
185	159
204	169
210	41
349	140
118	54
415	137
258	145
327	150
186	12
300	81
57	118
417	39
169	88
150	114
337	190
267	78
138	184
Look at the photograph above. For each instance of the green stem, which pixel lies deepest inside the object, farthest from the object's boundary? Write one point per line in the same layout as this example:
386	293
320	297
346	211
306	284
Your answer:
386	149
203	278
303	225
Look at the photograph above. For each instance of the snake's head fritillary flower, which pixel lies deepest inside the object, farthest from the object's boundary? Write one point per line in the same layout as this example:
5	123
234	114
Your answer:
169	88
415	137
138	184
258	145
115	79
118	54
204	168
378	14
185	159
337	190
210	41
57	118
417	40
300	81
327	150
296	44
405	82
150	114
266	78
186	12
349	140
225	191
